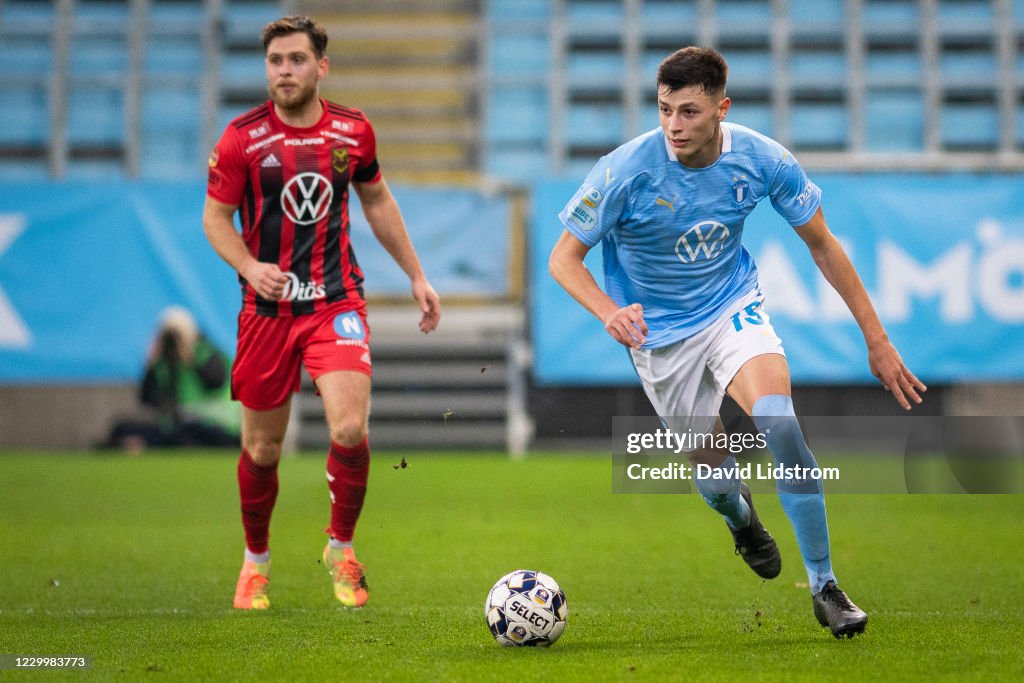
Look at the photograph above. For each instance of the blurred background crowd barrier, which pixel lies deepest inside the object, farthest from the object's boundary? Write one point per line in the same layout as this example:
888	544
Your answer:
908	113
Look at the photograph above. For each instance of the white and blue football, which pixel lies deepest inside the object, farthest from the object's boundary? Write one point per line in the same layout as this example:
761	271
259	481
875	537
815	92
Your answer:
526	609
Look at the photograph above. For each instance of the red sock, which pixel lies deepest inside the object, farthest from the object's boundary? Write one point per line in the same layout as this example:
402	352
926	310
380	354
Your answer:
258	488
348	469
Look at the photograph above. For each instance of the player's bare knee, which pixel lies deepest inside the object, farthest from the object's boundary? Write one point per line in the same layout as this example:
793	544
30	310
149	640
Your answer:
349	432
263	450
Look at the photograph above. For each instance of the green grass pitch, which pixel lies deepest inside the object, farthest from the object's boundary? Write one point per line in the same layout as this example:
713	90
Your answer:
133	561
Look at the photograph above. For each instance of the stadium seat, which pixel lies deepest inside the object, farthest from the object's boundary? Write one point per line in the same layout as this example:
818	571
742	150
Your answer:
98	55
519	163
970	126
743	18
824	69
895	121
167	109
517	114
95	116
816	13
245	19
502	11
25	54
669	18
892	18
241	71
895	68
818	126
965	17
177	16
593	18
94	169
598	69
753	115
20	170
968	68
595	125
171	157
750	68
172	55
514	54
26	119
30	15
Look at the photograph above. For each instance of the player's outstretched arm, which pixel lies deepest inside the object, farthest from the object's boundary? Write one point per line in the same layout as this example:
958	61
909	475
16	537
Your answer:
883	358
219	226
385	219
625	325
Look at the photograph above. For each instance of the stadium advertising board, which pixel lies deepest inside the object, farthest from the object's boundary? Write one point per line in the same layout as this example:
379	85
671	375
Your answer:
941	255
86	269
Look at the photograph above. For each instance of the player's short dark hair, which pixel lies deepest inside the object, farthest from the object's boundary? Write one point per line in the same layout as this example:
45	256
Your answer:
700	67
288	25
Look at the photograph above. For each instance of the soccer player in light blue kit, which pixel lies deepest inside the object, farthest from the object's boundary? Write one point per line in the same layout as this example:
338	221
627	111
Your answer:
682	295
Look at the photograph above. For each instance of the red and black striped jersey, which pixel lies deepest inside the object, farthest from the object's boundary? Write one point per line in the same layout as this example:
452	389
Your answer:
291	187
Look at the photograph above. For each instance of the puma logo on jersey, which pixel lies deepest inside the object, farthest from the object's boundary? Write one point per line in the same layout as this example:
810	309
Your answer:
661	201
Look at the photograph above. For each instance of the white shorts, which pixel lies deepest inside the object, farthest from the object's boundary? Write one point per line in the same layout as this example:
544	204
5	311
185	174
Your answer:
688	379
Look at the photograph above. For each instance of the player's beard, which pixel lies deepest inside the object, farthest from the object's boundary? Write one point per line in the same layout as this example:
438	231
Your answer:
300	98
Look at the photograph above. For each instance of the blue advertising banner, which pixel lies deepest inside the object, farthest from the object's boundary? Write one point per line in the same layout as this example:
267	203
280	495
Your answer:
942	257
87	269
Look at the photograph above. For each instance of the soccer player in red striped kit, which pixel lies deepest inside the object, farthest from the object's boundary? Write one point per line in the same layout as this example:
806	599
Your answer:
286	167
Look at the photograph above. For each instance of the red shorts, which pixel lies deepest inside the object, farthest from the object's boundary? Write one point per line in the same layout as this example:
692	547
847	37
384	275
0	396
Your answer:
271	350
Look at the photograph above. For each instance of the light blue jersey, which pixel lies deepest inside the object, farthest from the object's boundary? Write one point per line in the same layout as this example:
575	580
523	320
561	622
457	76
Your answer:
672	234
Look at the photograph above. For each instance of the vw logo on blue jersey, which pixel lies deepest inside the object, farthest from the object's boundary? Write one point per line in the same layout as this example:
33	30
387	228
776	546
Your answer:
707	238
740	188
349	326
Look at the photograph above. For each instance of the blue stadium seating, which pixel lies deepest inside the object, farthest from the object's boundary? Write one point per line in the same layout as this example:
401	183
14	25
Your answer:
819	125
171	55
970	126
965	17
21	170
676	19
95	116
893	68
502	11
517	114
753	115
743	17
825	69
595	69
895	121
516	162
595	125
26	120
98	56
892	18
25	54
973	68
750	68
519	55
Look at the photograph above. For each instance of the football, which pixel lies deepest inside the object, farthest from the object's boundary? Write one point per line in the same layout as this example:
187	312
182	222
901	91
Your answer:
526	608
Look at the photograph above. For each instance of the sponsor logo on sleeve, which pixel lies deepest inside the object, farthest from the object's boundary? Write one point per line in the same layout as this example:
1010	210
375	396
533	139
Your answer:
592	197
805	196
214	157
583	215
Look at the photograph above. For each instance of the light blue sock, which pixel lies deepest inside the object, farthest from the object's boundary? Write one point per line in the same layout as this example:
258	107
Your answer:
802	499
723	495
